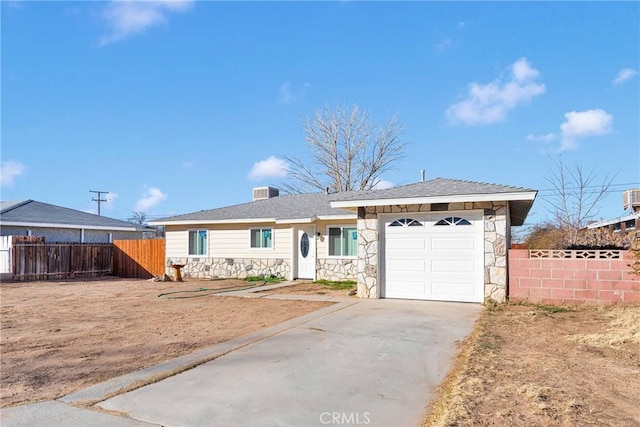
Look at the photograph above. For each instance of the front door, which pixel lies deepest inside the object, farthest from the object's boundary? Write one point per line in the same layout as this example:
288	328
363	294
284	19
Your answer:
306	253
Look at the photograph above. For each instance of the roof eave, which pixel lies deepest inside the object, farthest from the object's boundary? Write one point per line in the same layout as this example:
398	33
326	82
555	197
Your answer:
490	197
306	220
70	226
212	221
518	211
341	217
607	222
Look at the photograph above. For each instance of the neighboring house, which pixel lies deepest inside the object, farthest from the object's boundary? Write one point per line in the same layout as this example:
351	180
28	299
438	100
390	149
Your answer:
441	239
59	224
629	222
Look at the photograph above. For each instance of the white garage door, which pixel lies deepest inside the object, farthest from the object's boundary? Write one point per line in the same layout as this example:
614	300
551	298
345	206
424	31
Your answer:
436	256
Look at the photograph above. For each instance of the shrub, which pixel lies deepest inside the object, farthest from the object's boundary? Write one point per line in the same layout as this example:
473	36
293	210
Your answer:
550	236
601	238
635	249
545	236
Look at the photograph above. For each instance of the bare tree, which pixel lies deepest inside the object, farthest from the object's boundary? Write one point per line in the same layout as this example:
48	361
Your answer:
347	151
575	196
138	218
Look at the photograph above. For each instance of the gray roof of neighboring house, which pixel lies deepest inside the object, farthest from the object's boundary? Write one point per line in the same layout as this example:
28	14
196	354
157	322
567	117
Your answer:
607	222
304	206
33	212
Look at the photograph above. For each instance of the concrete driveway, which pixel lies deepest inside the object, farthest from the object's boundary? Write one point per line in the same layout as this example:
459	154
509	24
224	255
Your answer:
359	362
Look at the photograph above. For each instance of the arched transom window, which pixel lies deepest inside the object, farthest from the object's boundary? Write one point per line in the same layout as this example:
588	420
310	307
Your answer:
453	220
405	222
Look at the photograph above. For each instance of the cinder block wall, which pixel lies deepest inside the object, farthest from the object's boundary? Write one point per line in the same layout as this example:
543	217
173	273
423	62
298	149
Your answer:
560	281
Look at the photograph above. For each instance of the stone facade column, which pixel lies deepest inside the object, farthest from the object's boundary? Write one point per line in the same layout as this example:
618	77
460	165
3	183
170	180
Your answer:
496	232
367	253
496	236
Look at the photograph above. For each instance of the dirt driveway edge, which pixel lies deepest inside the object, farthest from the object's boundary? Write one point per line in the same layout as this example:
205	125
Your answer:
115	386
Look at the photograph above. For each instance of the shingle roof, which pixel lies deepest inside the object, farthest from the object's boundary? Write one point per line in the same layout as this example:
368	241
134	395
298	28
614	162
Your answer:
11	204
433	188
304	206
443	188
33	212
285	207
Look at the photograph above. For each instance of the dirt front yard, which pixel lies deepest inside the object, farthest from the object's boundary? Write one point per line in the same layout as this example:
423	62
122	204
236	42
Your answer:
58	337
533	365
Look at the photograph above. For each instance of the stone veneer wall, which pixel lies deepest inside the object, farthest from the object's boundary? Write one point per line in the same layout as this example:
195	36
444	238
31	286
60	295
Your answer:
230	268
495	245
336	269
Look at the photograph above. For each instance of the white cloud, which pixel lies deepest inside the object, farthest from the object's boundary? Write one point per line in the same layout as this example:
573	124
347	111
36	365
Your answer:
381	184
449	39
124	18
543	138
9	171
110	200
579	124
624	75
272	167
491	102
444	44
287	94
522	71
152	196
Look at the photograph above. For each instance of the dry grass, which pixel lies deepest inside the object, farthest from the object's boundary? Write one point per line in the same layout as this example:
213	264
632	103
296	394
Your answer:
527	365
623	328
463	382
58	337
336	289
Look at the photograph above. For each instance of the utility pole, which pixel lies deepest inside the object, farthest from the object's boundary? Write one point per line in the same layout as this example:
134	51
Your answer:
99	199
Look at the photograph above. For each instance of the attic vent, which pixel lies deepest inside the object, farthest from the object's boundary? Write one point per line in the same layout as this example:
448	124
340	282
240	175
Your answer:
261	193
440	206
631	199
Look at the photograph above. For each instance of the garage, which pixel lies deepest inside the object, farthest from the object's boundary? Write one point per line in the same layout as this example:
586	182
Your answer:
442	239
436	256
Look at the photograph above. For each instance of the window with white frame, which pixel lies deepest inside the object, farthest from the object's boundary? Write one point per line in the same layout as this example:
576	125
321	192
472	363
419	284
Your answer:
405	222
197	242
453	221
343	241
261	238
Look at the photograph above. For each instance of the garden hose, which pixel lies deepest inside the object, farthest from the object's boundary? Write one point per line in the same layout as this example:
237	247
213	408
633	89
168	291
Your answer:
215	291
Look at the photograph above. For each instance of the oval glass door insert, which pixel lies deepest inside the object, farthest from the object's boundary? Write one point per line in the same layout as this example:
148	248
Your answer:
304	245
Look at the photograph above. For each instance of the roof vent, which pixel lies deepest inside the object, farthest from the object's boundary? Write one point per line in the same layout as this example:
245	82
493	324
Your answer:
631	200
262	193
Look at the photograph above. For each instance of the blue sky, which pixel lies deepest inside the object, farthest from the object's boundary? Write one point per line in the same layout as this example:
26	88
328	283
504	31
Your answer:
179	106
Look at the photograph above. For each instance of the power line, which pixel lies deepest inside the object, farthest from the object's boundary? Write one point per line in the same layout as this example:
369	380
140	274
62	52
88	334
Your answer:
99	199
593	186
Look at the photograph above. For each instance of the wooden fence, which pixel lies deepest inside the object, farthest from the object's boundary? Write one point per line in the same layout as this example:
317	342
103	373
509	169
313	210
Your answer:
41	261
139	258
5	257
